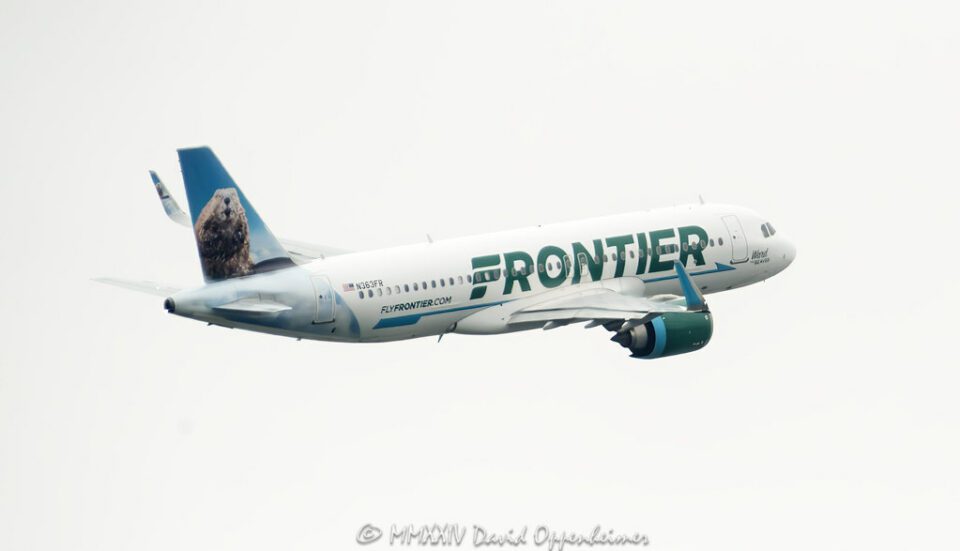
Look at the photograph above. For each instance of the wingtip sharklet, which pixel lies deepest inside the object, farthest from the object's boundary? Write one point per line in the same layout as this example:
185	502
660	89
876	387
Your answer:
170	205
691	293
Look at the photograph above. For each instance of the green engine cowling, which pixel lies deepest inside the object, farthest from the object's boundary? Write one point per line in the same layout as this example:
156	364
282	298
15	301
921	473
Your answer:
667	335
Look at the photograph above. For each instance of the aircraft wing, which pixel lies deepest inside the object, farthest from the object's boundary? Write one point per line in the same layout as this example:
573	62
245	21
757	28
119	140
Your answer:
602	305
611	307
300	251
652	327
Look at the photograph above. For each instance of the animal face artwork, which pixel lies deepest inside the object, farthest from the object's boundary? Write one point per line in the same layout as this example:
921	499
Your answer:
223	236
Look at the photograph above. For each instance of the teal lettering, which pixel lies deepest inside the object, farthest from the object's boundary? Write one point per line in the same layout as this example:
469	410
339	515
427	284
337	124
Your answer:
514	274
620	242
687	248
657	265
594	261
543	257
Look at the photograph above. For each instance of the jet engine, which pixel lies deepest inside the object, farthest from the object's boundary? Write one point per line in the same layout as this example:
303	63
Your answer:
665	335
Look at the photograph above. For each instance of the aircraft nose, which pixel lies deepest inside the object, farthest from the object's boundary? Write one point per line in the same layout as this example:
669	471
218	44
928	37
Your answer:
789	252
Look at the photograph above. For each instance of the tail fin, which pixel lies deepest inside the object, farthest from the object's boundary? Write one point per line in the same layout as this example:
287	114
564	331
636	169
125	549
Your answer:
231	237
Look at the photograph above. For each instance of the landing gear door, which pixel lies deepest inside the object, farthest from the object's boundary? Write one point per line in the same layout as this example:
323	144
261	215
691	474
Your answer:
738	241
326	301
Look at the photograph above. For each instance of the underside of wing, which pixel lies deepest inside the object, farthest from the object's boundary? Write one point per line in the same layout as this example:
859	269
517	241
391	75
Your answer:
599	305
654	327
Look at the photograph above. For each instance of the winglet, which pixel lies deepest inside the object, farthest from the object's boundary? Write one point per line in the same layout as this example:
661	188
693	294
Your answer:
170	206
691	293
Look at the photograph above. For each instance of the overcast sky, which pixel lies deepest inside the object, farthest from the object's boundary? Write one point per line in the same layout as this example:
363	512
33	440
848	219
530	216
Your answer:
823	414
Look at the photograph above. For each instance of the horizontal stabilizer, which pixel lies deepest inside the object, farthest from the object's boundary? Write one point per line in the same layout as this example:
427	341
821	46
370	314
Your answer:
149	287
309	250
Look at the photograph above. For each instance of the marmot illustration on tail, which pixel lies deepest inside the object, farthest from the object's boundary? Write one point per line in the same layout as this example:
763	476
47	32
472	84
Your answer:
223	236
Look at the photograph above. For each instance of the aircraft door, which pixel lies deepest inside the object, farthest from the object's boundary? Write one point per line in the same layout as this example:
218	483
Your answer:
738	240
326	301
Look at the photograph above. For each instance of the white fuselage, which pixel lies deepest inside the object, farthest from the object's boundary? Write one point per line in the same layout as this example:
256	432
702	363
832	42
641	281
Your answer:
429	288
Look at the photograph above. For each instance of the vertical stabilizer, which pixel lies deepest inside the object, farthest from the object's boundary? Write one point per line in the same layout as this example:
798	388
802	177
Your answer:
232	239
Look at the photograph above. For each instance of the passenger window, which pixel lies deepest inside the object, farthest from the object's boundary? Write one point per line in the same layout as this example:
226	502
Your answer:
379	291
406	287
361	294
632	254
396	289
720	241
711	242
433	283
389	291
451	281
415	286
459	280
469	278
424	285
443	283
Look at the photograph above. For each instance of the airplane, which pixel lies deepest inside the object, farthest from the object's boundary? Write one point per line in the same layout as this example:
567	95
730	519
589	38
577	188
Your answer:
640	276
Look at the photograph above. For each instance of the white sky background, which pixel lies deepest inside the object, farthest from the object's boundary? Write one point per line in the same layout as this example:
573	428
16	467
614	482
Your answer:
822	415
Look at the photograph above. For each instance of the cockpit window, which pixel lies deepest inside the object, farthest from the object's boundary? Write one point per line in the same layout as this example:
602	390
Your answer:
772	231
763	228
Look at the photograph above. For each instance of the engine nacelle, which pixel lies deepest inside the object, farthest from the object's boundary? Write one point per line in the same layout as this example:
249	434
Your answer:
667	335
